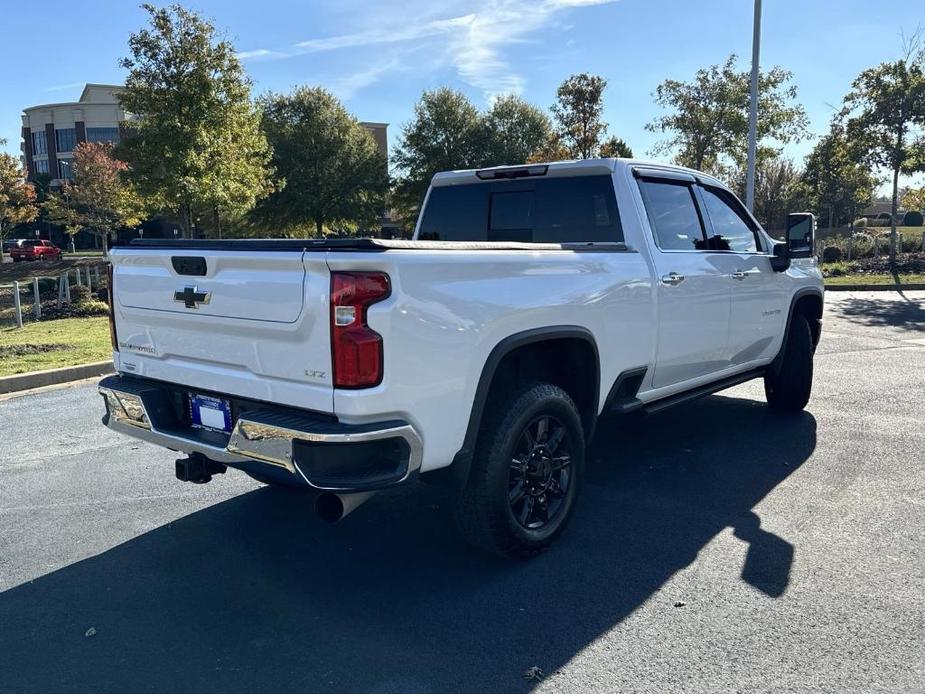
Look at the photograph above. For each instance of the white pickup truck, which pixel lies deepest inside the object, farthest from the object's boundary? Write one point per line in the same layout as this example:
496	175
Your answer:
532	301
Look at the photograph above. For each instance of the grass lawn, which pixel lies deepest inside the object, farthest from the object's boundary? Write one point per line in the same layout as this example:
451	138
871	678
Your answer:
53	344
874	279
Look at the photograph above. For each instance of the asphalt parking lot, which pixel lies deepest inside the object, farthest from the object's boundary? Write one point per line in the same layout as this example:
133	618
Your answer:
717	547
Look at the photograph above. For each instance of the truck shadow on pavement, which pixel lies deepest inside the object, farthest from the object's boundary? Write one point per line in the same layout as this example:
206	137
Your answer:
254	594
906	313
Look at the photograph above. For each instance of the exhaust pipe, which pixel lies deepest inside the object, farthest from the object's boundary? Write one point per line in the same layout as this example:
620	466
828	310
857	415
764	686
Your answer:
332	508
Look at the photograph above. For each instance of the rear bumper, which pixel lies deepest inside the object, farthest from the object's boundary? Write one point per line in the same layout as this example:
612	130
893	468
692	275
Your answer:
297	447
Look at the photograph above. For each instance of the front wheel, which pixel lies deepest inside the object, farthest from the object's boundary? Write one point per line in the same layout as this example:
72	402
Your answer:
788	387
526	472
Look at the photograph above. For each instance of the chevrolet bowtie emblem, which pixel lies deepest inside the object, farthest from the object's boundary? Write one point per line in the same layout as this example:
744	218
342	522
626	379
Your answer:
192	297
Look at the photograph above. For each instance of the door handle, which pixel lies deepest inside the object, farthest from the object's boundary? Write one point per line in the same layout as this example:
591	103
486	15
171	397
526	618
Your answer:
739	275
672	278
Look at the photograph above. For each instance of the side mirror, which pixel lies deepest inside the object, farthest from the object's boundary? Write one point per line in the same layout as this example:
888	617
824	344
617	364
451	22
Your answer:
801	234
780	257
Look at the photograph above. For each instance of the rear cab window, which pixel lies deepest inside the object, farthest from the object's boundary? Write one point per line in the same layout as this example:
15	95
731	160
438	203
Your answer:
570	209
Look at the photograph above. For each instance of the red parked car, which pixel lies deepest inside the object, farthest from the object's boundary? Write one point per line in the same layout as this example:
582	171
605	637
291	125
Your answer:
35	250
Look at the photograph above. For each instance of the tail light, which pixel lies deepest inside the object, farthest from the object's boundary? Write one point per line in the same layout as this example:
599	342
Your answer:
110	294
356	349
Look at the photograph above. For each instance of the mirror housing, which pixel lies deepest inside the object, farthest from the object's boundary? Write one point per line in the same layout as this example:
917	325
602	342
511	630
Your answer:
801	234
780	257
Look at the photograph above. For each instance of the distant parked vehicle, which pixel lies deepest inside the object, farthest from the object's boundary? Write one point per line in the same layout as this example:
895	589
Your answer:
35	249
10	244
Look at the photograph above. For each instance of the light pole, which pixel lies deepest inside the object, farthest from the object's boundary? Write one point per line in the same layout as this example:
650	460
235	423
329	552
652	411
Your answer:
753	112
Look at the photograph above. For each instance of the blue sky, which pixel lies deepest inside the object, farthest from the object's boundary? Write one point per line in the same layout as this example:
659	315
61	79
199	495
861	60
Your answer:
379	56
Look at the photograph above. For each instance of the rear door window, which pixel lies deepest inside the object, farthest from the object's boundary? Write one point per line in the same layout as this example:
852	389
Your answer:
673	215
544	210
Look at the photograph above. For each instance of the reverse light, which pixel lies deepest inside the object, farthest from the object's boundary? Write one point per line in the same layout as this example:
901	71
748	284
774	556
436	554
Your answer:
356	349
111	300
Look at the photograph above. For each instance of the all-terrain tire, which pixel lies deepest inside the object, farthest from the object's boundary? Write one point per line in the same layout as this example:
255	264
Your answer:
483	508
788	387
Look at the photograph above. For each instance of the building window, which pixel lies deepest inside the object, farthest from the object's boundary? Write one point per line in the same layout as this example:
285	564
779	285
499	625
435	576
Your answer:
40	166
65	139
64	169
103	135
39	143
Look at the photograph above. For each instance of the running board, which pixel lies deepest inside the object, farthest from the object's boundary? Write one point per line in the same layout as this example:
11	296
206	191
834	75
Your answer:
700	391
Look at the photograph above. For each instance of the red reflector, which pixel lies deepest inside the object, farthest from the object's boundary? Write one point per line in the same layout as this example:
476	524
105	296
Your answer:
111	299
356	349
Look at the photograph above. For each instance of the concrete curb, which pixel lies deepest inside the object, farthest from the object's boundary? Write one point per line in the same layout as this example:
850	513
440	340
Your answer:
874	287
37	379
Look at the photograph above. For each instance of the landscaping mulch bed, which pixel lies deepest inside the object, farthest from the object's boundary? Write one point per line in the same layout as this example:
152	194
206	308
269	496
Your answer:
9	351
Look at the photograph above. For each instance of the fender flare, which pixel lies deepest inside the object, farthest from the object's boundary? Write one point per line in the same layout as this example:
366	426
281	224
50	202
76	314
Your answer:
462	461
797	296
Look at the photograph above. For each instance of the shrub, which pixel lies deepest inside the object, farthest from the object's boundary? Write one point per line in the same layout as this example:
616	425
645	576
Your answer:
862	245
80	294
913	218
860	223
831	254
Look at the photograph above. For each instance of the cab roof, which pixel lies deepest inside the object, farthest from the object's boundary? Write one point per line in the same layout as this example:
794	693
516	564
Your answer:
556	169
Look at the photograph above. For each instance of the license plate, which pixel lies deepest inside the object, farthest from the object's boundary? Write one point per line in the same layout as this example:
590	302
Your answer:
207	412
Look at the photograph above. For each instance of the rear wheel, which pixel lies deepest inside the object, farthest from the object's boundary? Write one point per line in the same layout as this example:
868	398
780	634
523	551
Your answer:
526	472
788	387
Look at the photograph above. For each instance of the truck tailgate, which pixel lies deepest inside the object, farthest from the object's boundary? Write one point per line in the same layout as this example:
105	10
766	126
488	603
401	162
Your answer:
253	324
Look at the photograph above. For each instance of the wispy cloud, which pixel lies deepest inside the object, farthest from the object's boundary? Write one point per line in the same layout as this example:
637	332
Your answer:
261	54
372	37
345	87
62	87
473	42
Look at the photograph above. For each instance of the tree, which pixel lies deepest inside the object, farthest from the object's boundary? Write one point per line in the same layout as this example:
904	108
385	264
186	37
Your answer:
885	119
708	122
577	113
99	199
442	136
616	147
334	173
511	131
914	199
778	190
17	196
836	182
197	144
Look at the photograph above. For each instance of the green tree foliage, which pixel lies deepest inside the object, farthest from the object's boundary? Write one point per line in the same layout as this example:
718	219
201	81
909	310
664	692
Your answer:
98	199
836	183
577	114
885	119
914	198
197	146
17	197
511	131
445	134
707	121
334	173
778	191
616	147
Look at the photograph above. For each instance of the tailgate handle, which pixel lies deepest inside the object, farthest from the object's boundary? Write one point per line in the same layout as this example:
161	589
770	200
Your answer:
189	265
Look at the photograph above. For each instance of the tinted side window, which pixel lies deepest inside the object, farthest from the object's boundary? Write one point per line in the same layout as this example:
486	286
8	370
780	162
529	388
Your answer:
672	215
731	229
543	210
456	213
